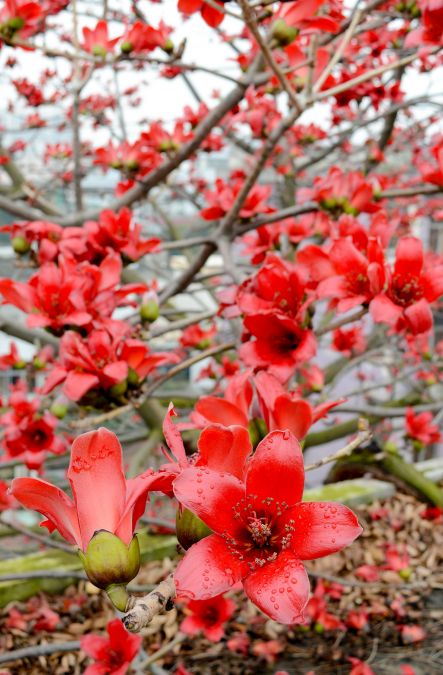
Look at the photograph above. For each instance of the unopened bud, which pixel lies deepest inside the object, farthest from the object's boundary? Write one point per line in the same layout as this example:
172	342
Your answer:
119	389
283	33
190	529
149	310
59	410
20	245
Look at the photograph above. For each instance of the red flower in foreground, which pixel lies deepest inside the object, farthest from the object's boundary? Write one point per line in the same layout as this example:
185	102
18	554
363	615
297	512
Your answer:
261	530
419	427
19	19
209	14
208	616
113	654
411	289
103	498
118	232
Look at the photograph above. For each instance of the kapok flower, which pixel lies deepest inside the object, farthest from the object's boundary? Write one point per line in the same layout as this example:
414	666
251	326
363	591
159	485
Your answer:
118	232
106	361
102	516
262	532
420	429
96	40
208	617
19	19
281	343
411	290
113	655
221	199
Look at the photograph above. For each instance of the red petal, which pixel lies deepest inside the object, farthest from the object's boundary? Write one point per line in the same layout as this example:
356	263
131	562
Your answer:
207	570
409	257
383	310
322	528
98	483
419	317
211	496
212	17
293	415
173	438
223	449
280	588
78	384
221	412
189	6
51	502
276	469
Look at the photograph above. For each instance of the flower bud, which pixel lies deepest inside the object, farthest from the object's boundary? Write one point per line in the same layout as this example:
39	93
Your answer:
59	410
20	245
110	564
190	529
149	310
283	33
119	389
126	47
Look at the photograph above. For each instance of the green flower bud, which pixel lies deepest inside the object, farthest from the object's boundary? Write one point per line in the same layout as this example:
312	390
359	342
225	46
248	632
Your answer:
168	47
149	311
19	365
133	378
20	245
16	23
59	410
283	33
190	529
110	564
119	389
126	47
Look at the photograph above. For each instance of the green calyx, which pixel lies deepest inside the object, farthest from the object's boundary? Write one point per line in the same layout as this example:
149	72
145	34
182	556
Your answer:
190	529
109	562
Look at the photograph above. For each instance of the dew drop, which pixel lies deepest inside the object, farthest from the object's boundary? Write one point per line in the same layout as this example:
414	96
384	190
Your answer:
281	590
272	598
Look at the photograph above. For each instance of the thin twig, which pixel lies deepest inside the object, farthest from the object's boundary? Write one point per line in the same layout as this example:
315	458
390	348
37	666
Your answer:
364	435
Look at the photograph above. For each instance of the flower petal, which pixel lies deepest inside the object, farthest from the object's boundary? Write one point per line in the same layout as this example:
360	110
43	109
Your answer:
78	384
225	449
280	588
211	496
322	528
207	570
98	483
276	469
52	503
220	411
409	257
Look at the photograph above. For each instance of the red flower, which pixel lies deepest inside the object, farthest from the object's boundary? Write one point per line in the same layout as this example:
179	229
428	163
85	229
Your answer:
104	359
96	40
300	15
6	500
282	410
113	655
198	337
28	434
346	275
280	345
278	285
349	341
261	530
68	294
117	232
208	616
411	634
222	198
19	19
411	290
341	192
143	38
103	498
209	14
419	427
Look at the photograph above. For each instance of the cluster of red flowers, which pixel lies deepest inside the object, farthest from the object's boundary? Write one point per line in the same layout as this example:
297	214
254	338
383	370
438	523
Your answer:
29	432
